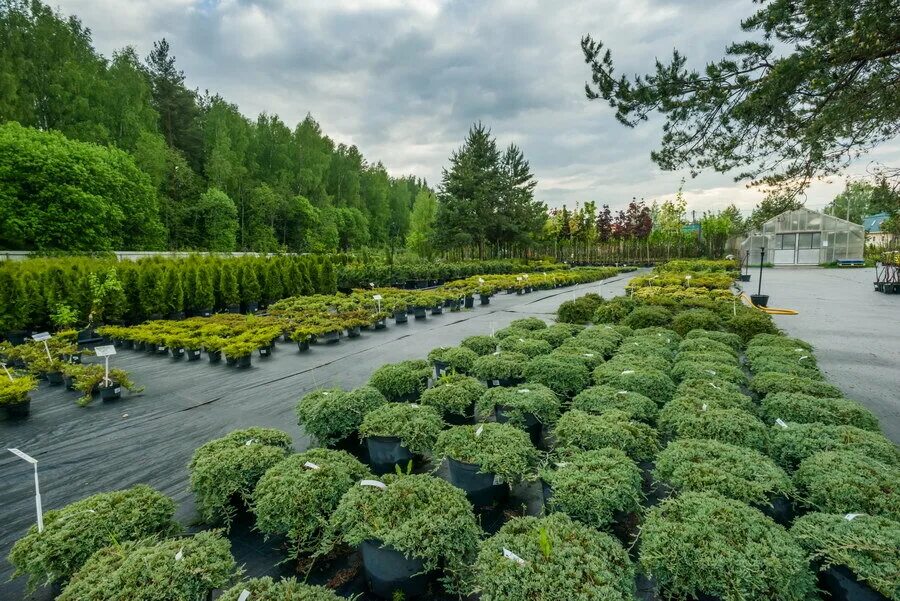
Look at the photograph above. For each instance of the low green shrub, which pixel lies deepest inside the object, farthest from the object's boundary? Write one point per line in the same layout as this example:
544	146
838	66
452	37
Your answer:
706	345
454	394
769	382
710	389
559	560
601	399
701	465
500	449
480	345
530	398
606	345
696	319
749	322
707	357
588	357
622	361
704	544
579	430
690	370
287	589
848	482
554	335
643	346
564	378
759	351
499	366
734	426
416	426
458	359
528	323
683	407
791	445
732	340
594	487
778	340
529	347
333	415
296	496
616	333
659	335
614	310
647	316
869	546
511	331
150	570
580	310
230	467
786	365
805	409
420	516
651	383
397	381
72	534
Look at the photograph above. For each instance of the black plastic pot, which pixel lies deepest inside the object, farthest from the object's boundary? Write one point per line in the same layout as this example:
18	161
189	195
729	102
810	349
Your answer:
161	349
176	316
55	378
252	307
781	510
455	305
177	353
745	277
380	324
74	358
485	299
437	310
69	381
469	301
532	425
353	332
354	446
390	574
400	316
205	312
16	337
214	356
760	300
18	410
110	393
233	309
127	344
510	290
231	361
546	491
265	351
844	586
479	488
193	354
520	291
456	419
503	382
243	361
419	312
303	345
440	367
385	452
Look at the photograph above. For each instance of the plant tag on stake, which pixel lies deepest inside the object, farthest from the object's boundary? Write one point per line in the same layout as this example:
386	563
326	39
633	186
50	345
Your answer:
105	351
180	555
852	516
622	392
311	465
245	594
705	407
373	483
249	442
524	391
512	556
781	423
496	382
479	431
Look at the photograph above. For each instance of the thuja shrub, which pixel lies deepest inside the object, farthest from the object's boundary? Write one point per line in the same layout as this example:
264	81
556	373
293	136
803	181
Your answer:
790	445
727	338
229	467
458	359
652	383
695	319
749	322
529	399
150	570
72	534
416	426
710	389
848	482
559	560
401	381
500	449
734	426
454	394
529	347
643	317
577	430
869	546
685	370
588	357
296	496
420	516
594	487
772	382
614	311
480	345
702	465
562	377
528	323
704	544
580	310
602	399
287	589
334	415
499	366
555	335
803	408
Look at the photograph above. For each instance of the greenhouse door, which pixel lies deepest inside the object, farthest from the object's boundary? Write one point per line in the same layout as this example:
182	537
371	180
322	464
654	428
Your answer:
797	248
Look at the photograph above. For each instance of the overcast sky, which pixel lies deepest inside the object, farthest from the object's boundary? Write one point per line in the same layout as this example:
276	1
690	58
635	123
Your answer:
404	80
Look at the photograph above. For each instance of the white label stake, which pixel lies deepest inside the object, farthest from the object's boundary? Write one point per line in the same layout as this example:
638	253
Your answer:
37	487
245	594
373	483
510	555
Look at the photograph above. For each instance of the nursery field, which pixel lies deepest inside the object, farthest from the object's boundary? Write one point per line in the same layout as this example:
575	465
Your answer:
150	437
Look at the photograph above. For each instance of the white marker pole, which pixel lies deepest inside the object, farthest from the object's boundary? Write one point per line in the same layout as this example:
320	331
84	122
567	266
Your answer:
37	487
9	375
106	371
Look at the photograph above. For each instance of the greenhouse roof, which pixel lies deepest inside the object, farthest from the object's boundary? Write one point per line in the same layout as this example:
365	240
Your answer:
872	223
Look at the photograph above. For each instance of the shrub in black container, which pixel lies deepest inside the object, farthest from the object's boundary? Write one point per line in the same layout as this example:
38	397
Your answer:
604	341
614	310
499	449
227	469
790	445
720	357
528	323
699	544
602	399
734	426
594	487
416	426
778	341
867	546
287	589
333	415
180	568
562	377
520	403
402	381
848	482
454	396
771	382
648	316
296	497
580	310
647	345
529	347
748	323
803	408
553	559
703	340
687	370
718	391
651	383
588	357
480	345
458	359
696	319
703	465
579	430
511	331
500	368
72	534
555	335
630	360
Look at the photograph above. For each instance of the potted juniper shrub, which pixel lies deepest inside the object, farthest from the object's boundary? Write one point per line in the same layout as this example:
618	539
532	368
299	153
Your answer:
453	396
409	530
484	460
600	488
528	323
484	295
552	558
804	408
333	416
400	315
14	395
72	534
500	368
224	471
734	426
455	359
565	378
601	399
296	496
397	434
178	568
528	406
792	443
401	382
857	554
652	383
529	347
267	589
577	430
213	347
239	353
480	345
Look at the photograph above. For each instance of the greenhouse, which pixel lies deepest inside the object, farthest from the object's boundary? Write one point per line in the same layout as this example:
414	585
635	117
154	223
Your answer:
806	237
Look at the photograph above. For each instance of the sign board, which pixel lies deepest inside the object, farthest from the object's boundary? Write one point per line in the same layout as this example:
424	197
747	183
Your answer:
41	336
691	228
105	351
377	297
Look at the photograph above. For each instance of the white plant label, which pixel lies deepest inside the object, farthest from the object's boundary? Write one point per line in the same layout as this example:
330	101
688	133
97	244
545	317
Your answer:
711	372
376	297
417	406
627	372
589	355
180	555
562	464
496	382
512	556
804	357
105	351
524	391
311	465
705	407
245	594
249	442
713	385
622	392
479	431
41	336
781	423
481	280
852	516
373	483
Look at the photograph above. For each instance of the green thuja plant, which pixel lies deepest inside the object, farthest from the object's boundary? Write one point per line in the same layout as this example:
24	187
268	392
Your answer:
151	292
204	295
327	283
228	285
249	284
274	288
173	291
308	275
11	313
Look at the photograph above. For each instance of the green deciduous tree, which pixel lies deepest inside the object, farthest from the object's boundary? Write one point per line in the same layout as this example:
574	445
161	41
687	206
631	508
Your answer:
421	226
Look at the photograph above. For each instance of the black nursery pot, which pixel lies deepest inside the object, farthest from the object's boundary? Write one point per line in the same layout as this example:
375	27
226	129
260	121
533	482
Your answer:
176	316
760	300
546	491
113	392
745	277
69	381
440	367
400	316
18	410
470	301
503	382
233	309
842	585
532	425
353	332
265	351
252	307
419	312
781	510
479	488
232	361
303	345
161	349
55	378
457	419
16	337
485	299
127	344
243	361
331	337
380	324
214	356
205	312
193	354
390	574
385	452
177	353
437	310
